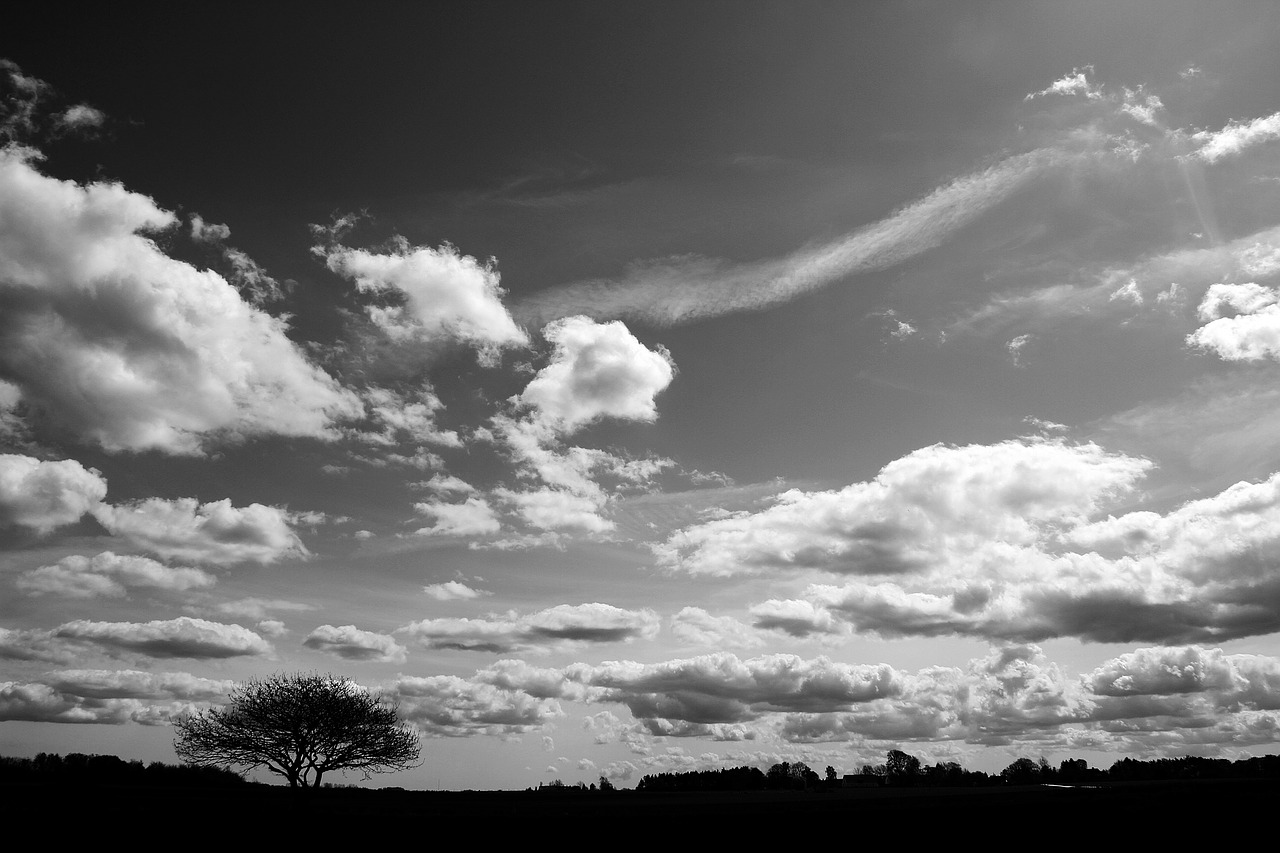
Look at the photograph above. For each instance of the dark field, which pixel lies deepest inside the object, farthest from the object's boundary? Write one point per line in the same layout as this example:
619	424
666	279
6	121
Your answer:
1130	811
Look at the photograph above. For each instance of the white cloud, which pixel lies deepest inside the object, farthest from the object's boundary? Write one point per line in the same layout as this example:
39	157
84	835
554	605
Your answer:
472	517
258	608
82	117
560	509
696	627
108	697
597	370
796	617
1075	83
78	279
1236	137
180	637
919	509
135	684
446	484
449	706
406	418
215	532
109	575
540	631
721	688
350	643
453	591
673	291
44	495
1015	348
445	294
1251	335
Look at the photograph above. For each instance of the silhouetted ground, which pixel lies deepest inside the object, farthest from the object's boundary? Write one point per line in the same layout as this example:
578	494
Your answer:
244	818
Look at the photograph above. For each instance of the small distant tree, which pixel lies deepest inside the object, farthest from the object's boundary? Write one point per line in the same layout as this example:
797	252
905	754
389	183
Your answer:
300	727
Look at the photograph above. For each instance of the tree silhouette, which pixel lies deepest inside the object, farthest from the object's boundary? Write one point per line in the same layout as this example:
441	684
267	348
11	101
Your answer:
902	769
299	727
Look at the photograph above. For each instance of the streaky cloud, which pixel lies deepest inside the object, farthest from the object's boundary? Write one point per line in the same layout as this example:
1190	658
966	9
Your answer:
673	291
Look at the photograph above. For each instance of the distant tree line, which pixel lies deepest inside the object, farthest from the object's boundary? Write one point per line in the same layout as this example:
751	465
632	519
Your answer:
901	769
80	769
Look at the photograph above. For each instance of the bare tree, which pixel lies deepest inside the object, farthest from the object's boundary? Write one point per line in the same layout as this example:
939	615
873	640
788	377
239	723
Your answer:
300	727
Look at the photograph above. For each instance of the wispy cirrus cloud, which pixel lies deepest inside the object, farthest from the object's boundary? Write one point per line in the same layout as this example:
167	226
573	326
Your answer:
669	292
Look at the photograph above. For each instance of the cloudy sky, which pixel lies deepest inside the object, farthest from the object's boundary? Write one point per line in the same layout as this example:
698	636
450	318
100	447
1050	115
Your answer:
647	387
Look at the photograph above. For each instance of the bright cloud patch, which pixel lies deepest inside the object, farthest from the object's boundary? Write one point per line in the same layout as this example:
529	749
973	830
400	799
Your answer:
183	637
134	684
44	495
444	294
1006	542
935	502
107	696
1196	573
581	623
216	532
453	591
113	340
596	370
721	688
1251	334
449	706
350	643
670	292
1237	136
472	517
110	575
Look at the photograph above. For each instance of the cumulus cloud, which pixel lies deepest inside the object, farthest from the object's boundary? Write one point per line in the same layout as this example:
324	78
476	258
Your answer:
453	591
438	293
107	696
563	624
183	637
119	344
110	575
796	617
81	117
696	627
561	509
43	495
1075	83
721	688
350	643
135	684
1251	334
686	289
1006	542
933	502
215	532
1236	137
472	517
405	418
450	706
1194	574
596	370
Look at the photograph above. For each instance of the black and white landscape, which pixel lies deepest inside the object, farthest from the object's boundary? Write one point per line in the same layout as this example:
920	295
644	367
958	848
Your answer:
626	389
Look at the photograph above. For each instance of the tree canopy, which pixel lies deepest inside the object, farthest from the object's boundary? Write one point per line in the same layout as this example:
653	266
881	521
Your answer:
299	726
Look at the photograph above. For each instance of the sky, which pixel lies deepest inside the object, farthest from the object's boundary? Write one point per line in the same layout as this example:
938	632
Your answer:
639	388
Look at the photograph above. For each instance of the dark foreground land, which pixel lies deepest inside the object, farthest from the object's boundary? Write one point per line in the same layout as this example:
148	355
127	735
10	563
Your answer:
1098	816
